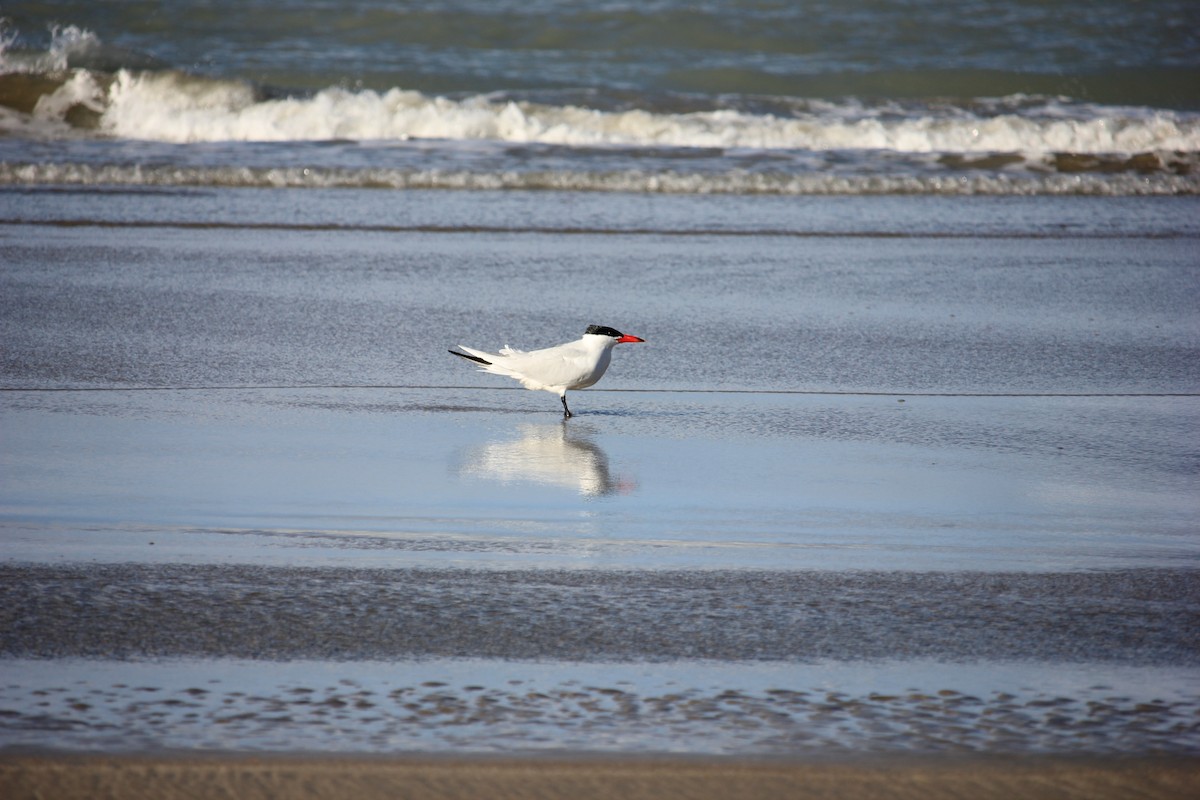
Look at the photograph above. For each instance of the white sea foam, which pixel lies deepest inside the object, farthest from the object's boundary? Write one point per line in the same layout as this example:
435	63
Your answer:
753	145
733	182
65	42
81	89
174	107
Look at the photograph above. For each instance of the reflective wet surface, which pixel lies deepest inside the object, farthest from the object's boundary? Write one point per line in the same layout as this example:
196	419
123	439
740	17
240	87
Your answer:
512	707
494	479
873	483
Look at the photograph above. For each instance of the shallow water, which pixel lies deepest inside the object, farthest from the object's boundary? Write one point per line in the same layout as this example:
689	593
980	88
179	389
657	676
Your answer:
703	708
887	474
637	480
1097	297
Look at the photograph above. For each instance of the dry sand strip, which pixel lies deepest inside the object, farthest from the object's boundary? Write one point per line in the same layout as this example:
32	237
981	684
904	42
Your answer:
250	778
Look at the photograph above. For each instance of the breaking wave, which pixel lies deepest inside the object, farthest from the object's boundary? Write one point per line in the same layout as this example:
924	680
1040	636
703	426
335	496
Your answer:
171	106
80	89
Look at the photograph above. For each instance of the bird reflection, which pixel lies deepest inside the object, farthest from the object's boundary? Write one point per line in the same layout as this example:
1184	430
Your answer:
557	455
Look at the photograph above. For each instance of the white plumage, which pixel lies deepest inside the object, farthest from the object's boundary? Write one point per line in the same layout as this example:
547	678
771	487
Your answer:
574	365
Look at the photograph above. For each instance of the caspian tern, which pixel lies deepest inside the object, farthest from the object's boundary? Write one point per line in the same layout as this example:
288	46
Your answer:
574	365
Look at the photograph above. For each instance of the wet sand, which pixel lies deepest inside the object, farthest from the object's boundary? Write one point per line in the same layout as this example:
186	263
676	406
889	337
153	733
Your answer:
1142	616
269	659
248	778
888	479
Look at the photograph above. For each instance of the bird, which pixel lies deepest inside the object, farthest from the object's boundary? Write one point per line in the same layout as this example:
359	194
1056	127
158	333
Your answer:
574	365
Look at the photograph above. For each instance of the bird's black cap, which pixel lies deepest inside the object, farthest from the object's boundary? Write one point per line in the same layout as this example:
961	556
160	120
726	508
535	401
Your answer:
603	330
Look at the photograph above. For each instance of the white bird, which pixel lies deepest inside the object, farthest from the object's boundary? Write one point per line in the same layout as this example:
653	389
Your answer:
574	365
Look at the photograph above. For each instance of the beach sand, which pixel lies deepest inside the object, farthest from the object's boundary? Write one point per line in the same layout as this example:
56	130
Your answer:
261	536
247	778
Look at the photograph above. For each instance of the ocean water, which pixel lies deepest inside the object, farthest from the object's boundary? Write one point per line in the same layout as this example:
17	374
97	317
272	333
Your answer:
987	97
907	462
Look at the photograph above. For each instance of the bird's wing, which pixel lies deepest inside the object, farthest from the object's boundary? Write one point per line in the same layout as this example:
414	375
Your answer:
562	366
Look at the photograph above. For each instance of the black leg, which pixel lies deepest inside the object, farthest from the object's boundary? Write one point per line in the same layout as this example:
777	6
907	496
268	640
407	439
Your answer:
566	411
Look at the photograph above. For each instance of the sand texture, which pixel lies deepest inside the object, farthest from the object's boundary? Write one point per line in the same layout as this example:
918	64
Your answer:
67	777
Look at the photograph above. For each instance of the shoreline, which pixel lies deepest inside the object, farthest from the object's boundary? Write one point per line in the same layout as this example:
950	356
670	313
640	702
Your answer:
144	658
582	776
318	592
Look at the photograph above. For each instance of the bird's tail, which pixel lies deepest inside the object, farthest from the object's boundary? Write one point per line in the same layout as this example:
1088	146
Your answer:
476	359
